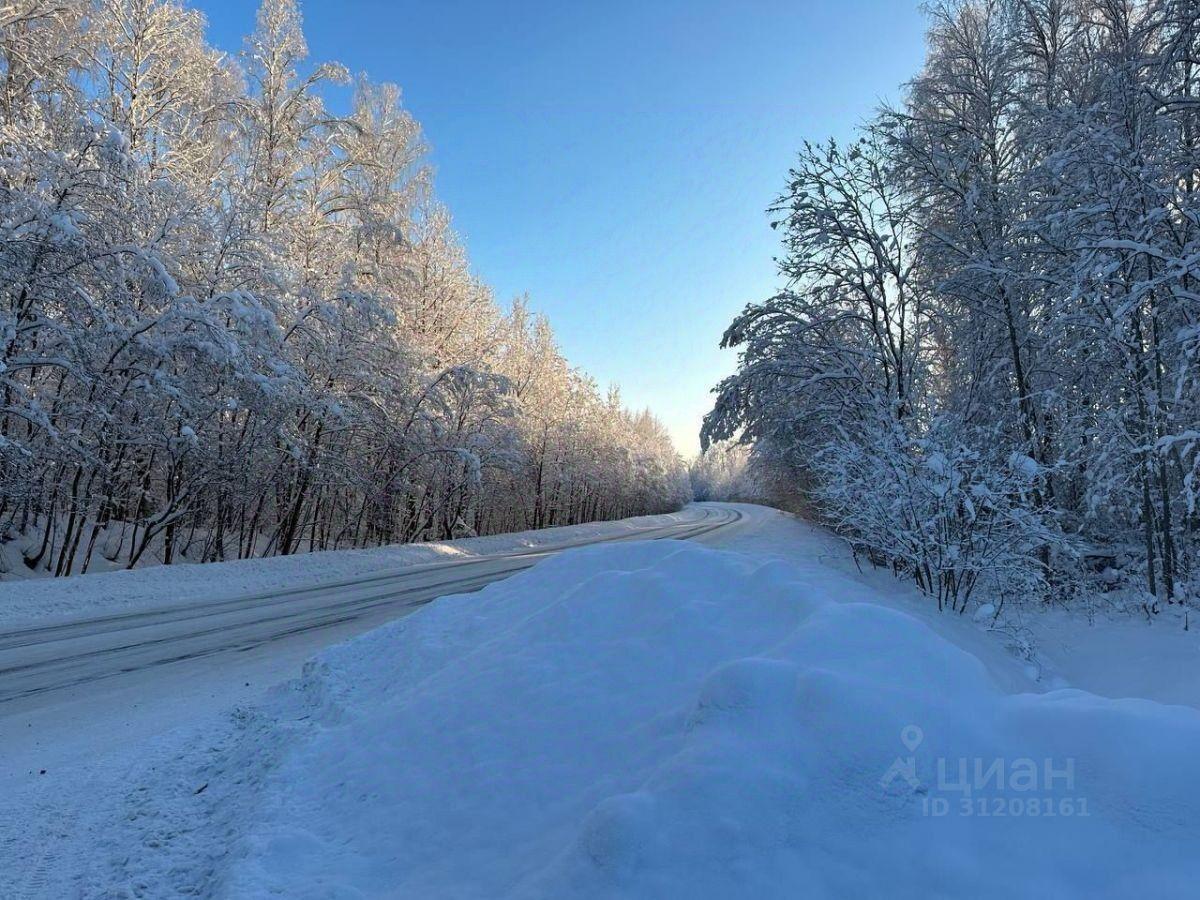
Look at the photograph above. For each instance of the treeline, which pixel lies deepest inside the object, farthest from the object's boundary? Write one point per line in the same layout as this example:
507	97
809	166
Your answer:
726	472
983	367
235	323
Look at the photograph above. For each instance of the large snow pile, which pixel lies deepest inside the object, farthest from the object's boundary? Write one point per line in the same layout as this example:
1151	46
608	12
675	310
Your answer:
662	720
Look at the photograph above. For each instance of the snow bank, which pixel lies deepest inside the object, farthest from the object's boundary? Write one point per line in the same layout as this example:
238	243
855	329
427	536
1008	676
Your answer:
663	720
41	601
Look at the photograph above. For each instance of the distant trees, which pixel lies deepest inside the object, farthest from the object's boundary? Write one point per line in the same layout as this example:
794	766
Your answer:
984	364
723	473
235	323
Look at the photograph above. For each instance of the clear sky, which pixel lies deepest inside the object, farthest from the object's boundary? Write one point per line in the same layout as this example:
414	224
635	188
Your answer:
614	160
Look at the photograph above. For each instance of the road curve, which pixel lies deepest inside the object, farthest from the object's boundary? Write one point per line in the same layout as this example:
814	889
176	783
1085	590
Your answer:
50	658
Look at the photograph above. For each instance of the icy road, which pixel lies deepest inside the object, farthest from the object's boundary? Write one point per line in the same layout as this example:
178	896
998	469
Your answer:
83	686
37	660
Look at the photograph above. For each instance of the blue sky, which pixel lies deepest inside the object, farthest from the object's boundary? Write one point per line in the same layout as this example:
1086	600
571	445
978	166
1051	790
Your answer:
614	160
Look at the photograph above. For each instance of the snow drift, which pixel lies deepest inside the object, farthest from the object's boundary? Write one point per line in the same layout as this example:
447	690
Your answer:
663	720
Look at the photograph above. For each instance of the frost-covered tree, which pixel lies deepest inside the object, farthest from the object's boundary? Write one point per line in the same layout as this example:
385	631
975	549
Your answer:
1044	166
234	322
728	472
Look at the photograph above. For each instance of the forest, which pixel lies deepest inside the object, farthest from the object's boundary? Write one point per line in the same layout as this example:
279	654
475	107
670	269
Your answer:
982	367
235	321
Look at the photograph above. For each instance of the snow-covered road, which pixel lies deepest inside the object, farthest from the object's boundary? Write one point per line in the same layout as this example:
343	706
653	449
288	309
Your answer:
161	652
48	658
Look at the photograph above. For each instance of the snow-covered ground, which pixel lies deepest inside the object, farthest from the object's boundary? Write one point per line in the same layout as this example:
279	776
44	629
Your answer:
661	719
1114	653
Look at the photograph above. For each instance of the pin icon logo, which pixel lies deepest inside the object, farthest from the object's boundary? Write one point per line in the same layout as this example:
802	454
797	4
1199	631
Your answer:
906	768
911	737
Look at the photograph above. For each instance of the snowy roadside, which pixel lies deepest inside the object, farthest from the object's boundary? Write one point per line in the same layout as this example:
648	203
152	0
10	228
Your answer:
651	720
43	601
667	720
1112	652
